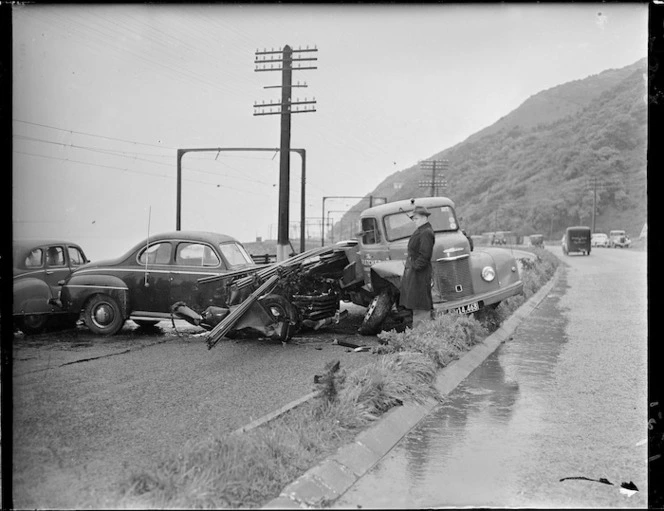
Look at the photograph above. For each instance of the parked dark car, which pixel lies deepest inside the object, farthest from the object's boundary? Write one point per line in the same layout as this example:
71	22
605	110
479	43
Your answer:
144	283
38	266
576	239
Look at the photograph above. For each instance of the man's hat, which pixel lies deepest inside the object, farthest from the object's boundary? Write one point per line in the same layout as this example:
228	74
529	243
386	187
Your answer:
420	210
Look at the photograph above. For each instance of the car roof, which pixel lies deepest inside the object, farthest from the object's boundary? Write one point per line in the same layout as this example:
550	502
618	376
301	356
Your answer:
578	228
210	237
25	244
405	205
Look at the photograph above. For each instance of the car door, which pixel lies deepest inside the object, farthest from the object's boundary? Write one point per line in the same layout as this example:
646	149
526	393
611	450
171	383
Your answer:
149	278
194	260
56	267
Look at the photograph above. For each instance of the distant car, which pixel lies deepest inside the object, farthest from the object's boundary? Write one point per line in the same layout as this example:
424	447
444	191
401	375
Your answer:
38	267
502	238
619	238
576	239
144	283
536	240
599	239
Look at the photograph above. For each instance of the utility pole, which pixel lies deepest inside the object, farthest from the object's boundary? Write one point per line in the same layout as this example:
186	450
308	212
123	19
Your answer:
284	63
436	181
594	202
605	184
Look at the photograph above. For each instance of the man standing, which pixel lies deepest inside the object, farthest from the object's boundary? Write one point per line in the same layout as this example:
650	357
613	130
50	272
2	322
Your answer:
416	280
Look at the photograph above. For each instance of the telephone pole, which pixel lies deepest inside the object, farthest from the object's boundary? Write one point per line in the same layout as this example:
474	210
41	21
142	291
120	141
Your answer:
436	181
284	61
602	185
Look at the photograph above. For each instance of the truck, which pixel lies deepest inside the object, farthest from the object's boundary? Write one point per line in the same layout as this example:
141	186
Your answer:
464	281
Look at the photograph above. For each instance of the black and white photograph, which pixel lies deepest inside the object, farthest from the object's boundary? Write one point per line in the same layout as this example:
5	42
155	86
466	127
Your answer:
329	256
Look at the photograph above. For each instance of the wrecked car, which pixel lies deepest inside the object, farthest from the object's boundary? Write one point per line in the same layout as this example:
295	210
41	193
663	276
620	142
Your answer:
207	279
463	281
38	267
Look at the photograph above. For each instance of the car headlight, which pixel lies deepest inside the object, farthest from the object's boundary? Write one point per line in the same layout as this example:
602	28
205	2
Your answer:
488	273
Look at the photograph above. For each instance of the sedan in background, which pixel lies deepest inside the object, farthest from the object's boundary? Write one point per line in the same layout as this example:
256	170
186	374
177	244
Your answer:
144	284
38	266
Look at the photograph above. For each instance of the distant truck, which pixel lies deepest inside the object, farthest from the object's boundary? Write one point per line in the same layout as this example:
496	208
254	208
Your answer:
463	281
619	238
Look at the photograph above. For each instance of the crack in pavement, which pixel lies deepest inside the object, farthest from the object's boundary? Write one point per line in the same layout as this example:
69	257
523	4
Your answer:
93	358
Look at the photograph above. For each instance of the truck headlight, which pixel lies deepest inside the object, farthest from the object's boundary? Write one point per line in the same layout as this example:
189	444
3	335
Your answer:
488	273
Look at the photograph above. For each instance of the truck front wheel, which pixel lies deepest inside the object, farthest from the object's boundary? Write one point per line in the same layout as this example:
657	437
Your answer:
378	310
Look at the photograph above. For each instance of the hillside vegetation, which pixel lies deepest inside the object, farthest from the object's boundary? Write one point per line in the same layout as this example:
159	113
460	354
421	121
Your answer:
535	169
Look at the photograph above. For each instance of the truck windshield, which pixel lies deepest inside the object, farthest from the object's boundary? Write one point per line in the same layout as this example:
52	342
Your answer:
399	225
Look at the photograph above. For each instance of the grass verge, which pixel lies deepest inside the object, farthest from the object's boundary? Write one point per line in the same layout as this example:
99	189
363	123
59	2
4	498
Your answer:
248	470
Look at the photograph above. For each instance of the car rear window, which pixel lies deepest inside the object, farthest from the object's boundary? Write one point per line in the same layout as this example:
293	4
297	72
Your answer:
196	254
235	255
157	253
35	258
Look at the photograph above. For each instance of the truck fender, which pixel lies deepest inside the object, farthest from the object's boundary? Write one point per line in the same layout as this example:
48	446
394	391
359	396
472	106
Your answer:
503	262
387	275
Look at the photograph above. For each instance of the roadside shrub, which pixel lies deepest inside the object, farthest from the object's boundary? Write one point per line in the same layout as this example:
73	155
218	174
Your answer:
441	340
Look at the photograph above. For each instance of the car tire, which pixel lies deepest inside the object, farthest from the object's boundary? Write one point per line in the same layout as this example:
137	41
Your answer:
33	323
378	310
145	323
103	315
281	309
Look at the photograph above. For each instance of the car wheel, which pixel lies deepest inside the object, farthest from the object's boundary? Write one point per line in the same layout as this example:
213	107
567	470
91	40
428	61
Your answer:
282	310
33	324
145	323
378	310
103	315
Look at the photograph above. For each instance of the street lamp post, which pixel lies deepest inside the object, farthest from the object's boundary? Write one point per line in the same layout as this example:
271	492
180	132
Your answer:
301	152
322	216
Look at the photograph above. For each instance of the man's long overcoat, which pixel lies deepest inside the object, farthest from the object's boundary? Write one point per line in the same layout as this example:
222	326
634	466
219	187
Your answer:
416	280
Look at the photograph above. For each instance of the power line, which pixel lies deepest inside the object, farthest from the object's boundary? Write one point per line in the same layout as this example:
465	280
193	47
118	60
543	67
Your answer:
120	154
92	134
133	171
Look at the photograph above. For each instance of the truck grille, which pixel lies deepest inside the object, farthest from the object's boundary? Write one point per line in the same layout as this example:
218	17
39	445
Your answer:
453	278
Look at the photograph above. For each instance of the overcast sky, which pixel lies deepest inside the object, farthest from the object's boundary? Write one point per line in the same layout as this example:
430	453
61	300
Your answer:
104	95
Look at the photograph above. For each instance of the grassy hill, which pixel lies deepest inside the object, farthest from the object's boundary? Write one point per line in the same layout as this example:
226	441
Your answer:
535	169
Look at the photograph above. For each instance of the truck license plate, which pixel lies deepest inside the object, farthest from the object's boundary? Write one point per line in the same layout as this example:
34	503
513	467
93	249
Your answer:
467	309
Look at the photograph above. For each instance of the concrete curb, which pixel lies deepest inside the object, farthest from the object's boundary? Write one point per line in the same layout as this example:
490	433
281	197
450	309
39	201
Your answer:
324	483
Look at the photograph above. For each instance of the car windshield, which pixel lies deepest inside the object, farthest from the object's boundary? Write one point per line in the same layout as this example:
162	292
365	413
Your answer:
399	225
235	254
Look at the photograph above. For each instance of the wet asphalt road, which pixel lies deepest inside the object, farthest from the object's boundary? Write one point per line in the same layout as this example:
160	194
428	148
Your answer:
566	397
89	411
